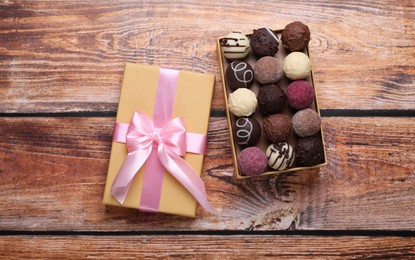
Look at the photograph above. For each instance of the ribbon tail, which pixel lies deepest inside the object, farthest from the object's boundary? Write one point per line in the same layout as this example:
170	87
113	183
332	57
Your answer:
128	170
182	171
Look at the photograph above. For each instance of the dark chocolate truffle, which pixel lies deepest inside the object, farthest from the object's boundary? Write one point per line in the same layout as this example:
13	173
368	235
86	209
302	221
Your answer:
295	36
252	161
268	70
264	42
247	131
309	151
306	122
271	99
239	74
277	127
300	94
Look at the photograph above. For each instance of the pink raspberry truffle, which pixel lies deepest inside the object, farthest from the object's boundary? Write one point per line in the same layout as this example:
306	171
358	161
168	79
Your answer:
252	161
300	94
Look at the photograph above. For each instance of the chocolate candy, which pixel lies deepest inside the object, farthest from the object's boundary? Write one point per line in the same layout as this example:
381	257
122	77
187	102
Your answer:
300	94
264	42
277	127
268	70
252	161
239	74
280	156
271	99
295	36
309	151
247	131
297	65
242	102
306	122
235	46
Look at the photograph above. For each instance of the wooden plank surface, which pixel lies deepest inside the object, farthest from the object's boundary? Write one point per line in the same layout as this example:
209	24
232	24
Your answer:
53	173
363	53
207	247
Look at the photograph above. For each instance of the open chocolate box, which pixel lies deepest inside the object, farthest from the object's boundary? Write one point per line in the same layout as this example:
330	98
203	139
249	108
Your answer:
283	83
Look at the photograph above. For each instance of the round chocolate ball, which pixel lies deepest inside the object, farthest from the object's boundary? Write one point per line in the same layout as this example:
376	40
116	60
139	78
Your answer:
306	122
297	65
252	161
277	127
242	102
309	151
264	42
280	156
300	94
295	36
239	74
246	131
235	46
268	70
271	99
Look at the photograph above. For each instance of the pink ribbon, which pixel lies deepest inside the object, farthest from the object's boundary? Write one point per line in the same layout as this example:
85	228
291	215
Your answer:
171	141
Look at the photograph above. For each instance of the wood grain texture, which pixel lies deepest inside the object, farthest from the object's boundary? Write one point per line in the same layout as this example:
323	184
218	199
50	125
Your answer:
52	174
207	247
69	57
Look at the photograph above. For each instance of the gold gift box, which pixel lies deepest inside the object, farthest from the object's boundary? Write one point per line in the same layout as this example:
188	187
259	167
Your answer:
192	103
263	143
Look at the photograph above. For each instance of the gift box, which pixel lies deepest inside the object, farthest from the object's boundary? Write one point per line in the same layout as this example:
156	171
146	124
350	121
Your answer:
283	82
159	140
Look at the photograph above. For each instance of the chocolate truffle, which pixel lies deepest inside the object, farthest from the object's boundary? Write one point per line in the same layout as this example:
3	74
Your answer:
268	70
239	74
252	161
297	65
277	127
264	42
242	102
271	99
295	36
300	94
235	46
247	131
280	156
309	151
306	122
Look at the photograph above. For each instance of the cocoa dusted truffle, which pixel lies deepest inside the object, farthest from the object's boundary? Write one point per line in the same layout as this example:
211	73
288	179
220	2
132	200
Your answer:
268	70
300	94
306	122
295	36
239	74
309	151
277	127
246	131
271	99
264	42
252	161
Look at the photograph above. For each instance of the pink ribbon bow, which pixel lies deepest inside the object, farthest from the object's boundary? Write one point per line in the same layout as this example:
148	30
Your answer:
170	142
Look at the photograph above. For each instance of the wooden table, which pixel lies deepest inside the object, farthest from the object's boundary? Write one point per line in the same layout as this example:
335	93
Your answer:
61	66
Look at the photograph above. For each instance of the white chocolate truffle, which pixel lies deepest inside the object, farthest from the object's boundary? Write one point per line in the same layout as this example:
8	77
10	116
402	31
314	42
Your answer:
242	102
297	65
235	46
280	156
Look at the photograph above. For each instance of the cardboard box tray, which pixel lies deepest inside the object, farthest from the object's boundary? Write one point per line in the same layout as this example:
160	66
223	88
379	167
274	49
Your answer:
263	143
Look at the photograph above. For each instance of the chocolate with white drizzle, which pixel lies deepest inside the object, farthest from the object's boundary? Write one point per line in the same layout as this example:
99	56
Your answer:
247	131
239	74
